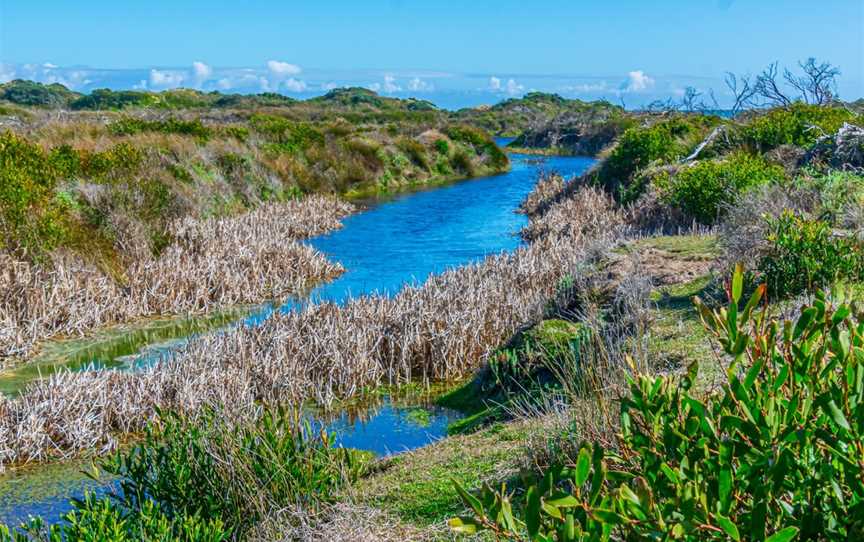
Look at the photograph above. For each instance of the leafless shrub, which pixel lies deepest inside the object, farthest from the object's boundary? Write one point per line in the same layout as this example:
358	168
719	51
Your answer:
742	91
213	263
817	85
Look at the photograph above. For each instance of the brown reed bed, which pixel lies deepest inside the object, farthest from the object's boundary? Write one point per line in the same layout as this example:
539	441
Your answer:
212	264
441	330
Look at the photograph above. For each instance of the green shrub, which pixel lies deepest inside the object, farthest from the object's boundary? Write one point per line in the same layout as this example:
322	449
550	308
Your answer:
800	124
442	146
838	191
704	189
32	220
287	136
104	98
776	455
416	151
639	147
101	520
204	468
804	254
36	94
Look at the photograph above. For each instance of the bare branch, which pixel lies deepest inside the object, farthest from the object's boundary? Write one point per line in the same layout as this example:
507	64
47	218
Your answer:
767	87
742	91
818	84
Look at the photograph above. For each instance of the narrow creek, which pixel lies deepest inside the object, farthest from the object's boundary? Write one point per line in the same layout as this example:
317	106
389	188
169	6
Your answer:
395	241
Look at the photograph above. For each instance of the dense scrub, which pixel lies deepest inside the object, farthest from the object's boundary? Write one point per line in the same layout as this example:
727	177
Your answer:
209	479
535	109
774	455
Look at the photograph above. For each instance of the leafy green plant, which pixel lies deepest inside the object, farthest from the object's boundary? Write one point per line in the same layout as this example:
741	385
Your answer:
135	125
32	220
777	455
205	468
101	520
640	146
799	124
804	254
704	189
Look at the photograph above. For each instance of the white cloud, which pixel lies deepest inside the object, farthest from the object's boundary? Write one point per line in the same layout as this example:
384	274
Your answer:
49	66
166	78
419	85
494	83
7	73
513	87
637	81
69	79
282	69
374	87
294	85
390	85
201	72
329	85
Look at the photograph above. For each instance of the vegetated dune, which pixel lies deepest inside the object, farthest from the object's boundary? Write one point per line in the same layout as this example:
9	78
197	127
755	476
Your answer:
212	263
440	330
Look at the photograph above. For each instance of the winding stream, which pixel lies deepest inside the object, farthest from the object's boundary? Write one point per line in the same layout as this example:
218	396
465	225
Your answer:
397	240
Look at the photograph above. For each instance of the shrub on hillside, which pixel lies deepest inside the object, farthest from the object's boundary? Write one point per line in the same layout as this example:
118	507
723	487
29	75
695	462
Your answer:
776	455
800	124
32	219
704	189
803	254
638	147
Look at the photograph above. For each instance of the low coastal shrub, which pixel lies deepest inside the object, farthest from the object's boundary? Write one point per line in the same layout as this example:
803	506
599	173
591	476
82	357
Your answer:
776	455
705	189
207	478
799	124
101	520
638	147
32	219
804	254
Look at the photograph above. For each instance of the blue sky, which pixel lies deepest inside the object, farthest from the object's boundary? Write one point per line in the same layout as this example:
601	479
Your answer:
453	53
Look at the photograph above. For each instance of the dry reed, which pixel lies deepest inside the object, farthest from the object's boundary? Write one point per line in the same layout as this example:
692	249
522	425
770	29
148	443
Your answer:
441	330
213	263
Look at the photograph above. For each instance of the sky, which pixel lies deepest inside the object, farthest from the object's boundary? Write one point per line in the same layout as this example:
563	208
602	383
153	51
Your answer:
452	53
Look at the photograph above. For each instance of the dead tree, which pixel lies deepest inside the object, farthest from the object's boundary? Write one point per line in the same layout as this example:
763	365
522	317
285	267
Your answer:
818	84
742	91
768	88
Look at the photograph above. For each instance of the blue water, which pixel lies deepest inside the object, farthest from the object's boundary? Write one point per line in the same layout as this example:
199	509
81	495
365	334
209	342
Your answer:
395	241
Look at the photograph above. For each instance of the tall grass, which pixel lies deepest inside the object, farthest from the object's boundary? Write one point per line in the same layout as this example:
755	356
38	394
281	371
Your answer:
441	330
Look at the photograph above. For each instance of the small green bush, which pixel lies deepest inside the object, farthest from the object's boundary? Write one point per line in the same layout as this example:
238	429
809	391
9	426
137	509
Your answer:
32	220
704	189
800	124
287	136
203	468
641	146
776	455
804	254
101	520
